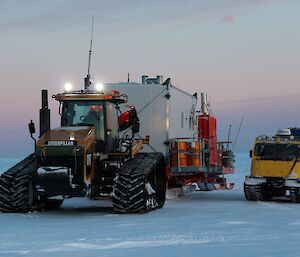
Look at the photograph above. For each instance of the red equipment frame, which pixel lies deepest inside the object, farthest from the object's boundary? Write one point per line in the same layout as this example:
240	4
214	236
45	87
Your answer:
215	158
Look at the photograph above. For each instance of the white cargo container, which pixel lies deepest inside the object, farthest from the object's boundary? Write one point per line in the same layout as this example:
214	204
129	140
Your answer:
165	111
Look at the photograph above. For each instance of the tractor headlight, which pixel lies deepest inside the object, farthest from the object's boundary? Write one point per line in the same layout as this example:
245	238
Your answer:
99	87
68	87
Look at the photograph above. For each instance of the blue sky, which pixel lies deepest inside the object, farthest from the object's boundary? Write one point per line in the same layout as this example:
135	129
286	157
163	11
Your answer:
244	54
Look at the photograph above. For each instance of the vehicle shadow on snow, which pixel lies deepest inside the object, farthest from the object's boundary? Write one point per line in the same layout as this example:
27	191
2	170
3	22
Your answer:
227	196
212	201
213	196
78	206
86	210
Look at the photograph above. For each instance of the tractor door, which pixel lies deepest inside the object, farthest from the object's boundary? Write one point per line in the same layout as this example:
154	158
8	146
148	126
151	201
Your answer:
112	127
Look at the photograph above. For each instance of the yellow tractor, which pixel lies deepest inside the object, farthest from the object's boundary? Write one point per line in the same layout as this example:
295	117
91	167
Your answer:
94	154
275	167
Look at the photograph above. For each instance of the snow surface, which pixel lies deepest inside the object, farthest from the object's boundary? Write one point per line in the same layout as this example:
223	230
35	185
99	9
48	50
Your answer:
220	223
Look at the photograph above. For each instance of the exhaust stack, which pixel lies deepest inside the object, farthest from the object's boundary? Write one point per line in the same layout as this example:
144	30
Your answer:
44	113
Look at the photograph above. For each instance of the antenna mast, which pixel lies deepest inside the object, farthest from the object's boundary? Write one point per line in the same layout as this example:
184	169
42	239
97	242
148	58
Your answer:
87	79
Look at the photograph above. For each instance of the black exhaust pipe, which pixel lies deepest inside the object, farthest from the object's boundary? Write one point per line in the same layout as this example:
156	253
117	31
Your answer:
44	113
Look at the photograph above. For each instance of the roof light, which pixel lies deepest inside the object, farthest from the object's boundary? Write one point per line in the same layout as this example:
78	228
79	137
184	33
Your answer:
99	87
68	87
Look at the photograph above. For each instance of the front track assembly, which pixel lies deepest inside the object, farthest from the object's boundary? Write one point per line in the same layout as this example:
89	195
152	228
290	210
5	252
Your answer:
140	184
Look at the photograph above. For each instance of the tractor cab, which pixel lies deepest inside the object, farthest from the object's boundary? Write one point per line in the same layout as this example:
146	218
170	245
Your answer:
93	109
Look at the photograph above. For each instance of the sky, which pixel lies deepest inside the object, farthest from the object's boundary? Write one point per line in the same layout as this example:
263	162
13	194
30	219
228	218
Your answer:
244	53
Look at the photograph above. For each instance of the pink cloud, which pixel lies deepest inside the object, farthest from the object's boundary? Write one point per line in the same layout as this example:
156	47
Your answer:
227	19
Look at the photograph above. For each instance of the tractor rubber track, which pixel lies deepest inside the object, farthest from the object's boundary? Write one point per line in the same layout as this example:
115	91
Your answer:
134	191
257	193
16	190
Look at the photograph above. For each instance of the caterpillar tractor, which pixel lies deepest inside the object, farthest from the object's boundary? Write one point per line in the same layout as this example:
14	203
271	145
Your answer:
92	154
275	168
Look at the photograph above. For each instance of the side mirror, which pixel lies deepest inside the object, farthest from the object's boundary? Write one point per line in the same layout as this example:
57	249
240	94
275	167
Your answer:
251	153
31	127
123	120
129	119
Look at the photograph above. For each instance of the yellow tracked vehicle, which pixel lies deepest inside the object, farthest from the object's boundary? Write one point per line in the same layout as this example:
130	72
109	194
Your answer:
275	167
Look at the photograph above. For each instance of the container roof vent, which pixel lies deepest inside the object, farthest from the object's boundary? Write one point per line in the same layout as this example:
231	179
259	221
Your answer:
157	81
284	132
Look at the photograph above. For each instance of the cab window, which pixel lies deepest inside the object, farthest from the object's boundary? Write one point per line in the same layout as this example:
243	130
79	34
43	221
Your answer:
84	113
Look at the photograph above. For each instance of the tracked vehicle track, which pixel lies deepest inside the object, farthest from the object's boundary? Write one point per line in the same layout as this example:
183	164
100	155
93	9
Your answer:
294	195
257	193
140	185
16	189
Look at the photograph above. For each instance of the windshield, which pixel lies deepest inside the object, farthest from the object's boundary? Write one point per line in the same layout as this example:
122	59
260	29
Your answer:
285	152
84	113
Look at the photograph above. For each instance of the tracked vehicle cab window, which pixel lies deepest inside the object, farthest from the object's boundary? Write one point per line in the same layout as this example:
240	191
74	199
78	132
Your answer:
271	151
84	113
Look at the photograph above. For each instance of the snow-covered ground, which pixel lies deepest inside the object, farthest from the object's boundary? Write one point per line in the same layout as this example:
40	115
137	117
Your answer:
201	224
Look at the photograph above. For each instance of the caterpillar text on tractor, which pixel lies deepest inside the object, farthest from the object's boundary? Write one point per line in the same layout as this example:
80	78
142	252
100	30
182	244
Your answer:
275	170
